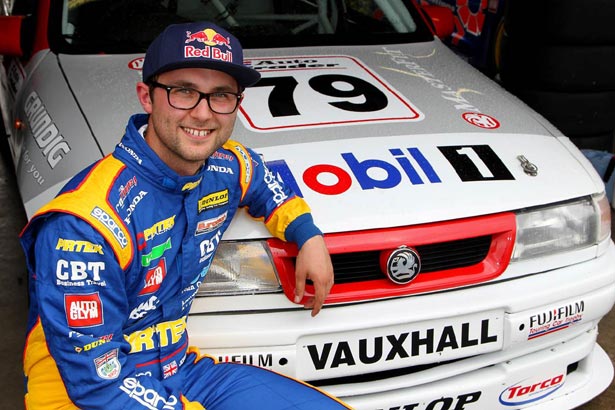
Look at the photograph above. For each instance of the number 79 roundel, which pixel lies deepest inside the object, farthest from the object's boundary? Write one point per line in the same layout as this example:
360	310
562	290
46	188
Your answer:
320	91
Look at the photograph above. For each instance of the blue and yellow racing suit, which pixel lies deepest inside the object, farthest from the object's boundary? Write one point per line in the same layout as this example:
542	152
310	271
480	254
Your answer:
115	261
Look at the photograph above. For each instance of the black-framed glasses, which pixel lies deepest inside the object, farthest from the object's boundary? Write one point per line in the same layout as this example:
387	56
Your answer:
185	98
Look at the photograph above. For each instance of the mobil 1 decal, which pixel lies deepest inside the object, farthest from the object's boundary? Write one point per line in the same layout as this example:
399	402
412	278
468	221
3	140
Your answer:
476	163
320	91
393	167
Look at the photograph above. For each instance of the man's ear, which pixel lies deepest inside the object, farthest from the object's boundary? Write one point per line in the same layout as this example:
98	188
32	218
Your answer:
143	94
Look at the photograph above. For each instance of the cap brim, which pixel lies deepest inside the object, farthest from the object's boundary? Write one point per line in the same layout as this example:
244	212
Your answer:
244	75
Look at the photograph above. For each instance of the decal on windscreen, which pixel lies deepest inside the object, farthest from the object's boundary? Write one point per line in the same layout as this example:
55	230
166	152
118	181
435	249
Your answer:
320	91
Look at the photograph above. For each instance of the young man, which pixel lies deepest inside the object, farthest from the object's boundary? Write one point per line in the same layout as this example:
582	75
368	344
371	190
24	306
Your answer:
116	258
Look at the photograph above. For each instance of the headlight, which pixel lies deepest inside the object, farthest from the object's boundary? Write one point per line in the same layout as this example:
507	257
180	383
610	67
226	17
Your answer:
561	228
240	268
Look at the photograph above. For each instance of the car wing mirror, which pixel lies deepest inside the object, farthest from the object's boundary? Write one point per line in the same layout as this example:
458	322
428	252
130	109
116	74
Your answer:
10	36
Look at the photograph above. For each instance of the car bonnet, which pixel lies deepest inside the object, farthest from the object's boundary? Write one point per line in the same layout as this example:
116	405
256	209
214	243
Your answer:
373	136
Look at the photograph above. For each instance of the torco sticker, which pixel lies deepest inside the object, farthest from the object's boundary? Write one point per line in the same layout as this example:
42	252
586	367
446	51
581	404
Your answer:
83	310
320	91
531	390
108	366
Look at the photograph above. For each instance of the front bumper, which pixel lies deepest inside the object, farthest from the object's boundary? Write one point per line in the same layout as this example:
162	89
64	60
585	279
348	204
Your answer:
522	342
570	374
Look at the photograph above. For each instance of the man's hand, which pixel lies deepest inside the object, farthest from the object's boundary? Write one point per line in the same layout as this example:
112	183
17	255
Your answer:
314	263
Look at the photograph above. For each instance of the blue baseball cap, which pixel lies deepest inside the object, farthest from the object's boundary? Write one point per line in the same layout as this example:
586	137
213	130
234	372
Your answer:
198	45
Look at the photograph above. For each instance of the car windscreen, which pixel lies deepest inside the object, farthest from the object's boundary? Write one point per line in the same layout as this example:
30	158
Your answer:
128	26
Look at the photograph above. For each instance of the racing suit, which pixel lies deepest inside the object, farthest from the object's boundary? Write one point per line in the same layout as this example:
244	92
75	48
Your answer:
115	261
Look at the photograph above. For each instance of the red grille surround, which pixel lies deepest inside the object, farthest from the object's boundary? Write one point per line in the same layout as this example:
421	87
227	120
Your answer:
501	228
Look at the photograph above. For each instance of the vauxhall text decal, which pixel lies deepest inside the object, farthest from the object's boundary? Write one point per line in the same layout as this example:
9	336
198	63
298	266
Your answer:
320	91
403	346
470	162
44	131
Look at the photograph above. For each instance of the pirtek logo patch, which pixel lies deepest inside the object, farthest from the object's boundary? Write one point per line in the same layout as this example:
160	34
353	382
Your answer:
160	335
70	245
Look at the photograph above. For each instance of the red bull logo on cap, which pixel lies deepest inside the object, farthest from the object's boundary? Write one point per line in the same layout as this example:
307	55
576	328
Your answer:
210	37
212	41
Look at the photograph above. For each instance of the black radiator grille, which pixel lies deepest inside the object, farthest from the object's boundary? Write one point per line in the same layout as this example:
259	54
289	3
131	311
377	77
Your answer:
365	266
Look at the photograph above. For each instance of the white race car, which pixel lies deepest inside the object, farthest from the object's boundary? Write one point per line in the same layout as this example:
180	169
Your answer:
470	238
